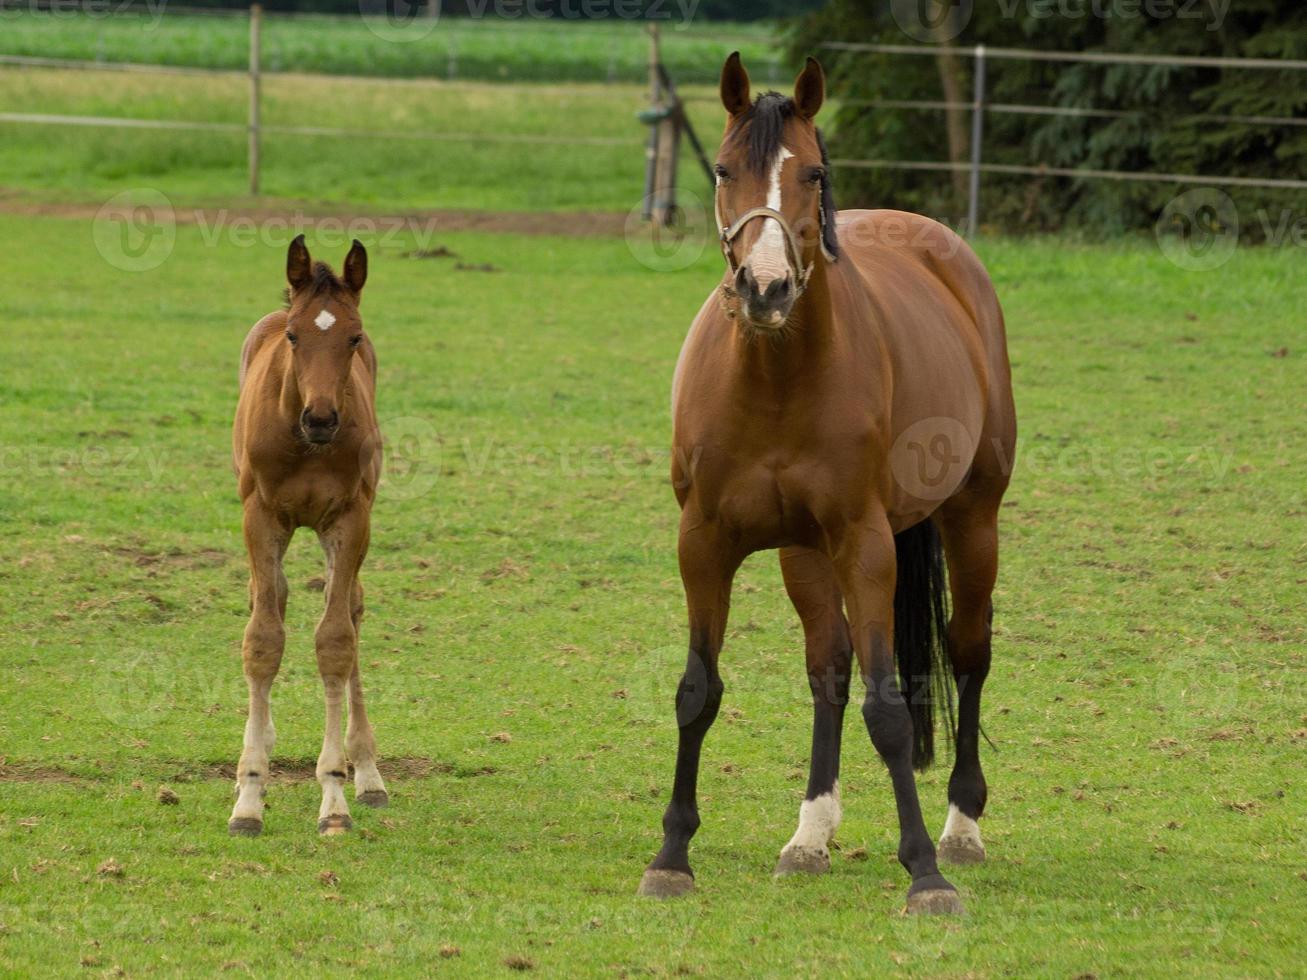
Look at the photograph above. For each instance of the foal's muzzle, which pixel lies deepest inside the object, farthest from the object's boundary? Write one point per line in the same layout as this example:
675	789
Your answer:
319	429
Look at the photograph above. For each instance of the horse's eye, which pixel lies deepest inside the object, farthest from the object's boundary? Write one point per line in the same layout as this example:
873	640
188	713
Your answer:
721	172
815	175
355	341
291	337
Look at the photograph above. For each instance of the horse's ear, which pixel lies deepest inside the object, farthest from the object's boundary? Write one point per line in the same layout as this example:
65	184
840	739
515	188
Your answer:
356	267
810	89
299	266
735	85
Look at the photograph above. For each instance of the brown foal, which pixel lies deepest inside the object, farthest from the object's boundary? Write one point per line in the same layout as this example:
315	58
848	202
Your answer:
845	396
308	454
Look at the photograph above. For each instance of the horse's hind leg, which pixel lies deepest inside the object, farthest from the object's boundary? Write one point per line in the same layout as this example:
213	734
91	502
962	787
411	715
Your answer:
812	586
360	743
345	542
970	533
265	638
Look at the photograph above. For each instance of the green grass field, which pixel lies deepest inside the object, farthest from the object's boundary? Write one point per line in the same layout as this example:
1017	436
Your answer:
489	49
469	171
524	635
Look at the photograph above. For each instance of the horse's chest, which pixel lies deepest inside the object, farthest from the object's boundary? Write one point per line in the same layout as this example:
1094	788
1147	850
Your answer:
775	503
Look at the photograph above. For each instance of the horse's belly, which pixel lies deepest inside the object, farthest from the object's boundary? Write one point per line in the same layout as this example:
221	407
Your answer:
930	459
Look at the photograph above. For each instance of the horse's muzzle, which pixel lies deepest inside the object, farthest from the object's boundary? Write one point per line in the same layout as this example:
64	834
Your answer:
765	307
319	430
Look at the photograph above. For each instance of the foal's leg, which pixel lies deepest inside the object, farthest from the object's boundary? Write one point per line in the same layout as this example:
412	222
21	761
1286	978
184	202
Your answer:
971	547
708	565
865	560
266	539
359	740
811	583
345	542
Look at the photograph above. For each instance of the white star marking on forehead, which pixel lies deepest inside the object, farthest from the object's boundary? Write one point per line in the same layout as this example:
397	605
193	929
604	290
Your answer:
324	320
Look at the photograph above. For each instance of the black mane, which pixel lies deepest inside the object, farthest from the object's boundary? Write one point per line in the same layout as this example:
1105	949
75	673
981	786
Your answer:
763	125
325	283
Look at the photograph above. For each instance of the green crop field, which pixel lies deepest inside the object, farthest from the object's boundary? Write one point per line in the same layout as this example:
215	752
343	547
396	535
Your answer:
525	49
524	635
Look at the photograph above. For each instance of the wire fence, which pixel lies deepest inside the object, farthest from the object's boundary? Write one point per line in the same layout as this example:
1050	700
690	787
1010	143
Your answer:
979	107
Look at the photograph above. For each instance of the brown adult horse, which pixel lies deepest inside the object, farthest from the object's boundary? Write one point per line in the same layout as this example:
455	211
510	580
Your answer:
308	454
845	396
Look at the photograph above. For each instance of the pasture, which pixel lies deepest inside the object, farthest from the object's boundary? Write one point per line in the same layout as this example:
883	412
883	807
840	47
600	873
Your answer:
524	635
541	170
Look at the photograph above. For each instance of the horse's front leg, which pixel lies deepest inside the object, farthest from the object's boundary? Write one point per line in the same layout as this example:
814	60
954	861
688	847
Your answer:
360	743
708	563
813	588
866	561
345	542
266	538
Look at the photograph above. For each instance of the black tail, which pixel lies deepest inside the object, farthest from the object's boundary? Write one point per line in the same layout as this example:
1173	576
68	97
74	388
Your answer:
920	630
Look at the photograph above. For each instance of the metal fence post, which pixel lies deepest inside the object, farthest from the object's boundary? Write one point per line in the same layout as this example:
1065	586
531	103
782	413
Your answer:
977	138
256	21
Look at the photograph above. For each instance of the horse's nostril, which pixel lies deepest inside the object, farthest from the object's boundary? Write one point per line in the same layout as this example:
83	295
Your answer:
784	289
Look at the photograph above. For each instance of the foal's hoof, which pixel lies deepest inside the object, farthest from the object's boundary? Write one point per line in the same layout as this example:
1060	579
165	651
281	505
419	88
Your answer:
802	861
337	823
960	850
660	883
933	896
245	826
375	798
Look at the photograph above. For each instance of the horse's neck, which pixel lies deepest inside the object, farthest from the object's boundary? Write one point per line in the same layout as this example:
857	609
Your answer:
788	365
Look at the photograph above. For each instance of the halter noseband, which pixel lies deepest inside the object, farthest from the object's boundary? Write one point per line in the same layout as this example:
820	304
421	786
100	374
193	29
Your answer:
793	256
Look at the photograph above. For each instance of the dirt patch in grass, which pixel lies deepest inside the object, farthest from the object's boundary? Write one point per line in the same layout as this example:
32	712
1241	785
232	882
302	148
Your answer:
569	224
283	770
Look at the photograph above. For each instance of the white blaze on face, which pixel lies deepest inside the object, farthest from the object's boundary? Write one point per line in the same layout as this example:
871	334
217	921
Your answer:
767	259
324	320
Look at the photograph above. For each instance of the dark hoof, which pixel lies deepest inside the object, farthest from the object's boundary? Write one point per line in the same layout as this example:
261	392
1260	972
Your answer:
375	798
933	895
802	861
335	824
659	883
245	826
960	850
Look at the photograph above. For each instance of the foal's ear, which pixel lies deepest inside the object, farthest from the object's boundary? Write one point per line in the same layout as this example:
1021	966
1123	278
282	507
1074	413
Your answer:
299	266
810	89
356	267
735	85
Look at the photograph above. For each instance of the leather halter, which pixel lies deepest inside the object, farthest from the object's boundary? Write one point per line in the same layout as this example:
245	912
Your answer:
793	255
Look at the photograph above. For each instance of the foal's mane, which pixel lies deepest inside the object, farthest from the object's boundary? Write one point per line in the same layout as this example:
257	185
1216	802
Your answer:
762	127
325	283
